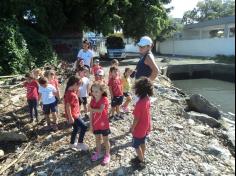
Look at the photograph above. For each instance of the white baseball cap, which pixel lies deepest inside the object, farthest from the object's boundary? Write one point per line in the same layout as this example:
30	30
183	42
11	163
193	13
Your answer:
145	41
100	72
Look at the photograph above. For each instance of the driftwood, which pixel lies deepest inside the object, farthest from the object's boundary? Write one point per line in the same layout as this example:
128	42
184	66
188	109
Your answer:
17	159
10	76
11	86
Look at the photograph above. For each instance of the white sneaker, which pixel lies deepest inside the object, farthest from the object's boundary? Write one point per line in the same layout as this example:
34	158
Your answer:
82	146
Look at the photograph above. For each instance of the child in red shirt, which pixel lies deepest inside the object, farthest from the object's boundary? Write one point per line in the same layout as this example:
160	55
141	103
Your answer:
32	95
72	112
142	119
99	121
99	77
96	67
116	91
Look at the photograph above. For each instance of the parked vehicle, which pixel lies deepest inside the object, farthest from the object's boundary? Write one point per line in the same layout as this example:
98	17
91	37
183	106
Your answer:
115	48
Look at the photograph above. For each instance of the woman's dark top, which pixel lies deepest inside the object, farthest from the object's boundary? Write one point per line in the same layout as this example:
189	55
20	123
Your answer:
142	69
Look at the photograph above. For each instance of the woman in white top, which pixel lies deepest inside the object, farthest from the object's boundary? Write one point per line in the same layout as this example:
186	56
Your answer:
86	54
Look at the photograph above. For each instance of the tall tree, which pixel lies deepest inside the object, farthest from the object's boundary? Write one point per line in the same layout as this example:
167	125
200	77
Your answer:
209	9
136	18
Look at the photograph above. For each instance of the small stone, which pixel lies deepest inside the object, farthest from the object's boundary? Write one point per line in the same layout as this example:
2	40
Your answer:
178	126
1	153
42	173
120	172
191	122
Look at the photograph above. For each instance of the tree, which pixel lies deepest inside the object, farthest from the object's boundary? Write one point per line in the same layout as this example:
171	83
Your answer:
208	10
136	18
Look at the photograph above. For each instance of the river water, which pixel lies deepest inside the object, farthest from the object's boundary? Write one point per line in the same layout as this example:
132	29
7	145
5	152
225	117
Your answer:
220	93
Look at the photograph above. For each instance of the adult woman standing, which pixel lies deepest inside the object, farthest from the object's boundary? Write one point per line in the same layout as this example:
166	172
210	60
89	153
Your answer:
86	54
146	65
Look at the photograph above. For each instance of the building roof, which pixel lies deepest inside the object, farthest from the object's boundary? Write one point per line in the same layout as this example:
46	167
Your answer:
215	22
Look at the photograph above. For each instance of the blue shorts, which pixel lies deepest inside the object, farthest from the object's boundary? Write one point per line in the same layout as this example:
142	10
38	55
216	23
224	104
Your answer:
138	141
117	101
49	108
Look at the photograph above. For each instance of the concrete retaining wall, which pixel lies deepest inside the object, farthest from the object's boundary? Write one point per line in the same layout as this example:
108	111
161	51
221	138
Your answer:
223	72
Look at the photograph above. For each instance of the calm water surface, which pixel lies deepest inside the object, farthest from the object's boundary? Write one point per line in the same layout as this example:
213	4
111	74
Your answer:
220	93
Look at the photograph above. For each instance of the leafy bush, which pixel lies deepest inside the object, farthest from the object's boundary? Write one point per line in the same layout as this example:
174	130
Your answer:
13	48
39	47
22	48
225	59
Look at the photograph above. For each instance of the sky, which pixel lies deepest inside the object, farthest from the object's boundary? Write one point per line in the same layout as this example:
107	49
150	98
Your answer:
181	6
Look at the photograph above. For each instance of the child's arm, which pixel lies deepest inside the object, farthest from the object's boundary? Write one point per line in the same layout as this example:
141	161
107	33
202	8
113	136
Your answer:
68	112
111	92
90	118
98	110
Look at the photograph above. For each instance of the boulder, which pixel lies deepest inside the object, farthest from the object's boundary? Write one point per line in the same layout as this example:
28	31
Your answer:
210	121
200	104
12	136
214	148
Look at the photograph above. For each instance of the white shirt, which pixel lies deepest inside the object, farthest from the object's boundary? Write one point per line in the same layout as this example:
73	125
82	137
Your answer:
86	56
47	94
83	90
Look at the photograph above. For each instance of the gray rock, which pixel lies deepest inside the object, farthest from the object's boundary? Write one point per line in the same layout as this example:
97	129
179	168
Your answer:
120	172
12	136
204	119
178	126
200	104
1	153
6	119
215	149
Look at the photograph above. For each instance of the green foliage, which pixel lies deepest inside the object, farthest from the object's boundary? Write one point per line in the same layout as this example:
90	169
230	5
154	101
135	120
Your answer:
136	18
224	59
39	47
13	48
208	10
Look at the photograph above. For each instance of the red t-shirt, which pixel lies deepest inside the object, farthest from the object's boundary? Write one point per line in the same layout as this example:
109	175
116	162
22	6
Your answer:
72	98
55	83
142	113
96	68
32	90
116	87
100	120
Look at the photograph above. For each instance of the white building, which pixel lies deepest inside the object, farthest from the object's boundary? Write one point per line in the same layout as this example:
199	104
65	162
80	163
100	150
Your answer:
207	38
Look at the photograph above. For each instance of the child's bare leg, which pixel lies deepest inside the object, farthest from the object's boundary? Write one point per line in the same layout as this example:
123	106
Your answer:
140	154
128	100
143	148
107	144
54	117
113	109
47	119
85	109
98	143
118	109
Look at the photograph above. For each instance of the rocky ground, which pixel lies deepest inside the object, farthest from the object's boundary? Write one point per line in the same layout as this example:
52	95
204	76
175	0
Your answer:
179	144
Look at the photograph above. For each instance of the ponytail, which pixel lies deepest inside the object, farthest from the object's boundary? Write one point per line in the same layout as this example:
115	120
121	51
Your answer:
72	80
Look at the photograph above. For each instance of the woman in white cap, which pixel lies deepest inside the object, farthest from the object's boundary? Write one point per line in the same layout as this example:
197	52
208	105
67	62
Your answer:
146	65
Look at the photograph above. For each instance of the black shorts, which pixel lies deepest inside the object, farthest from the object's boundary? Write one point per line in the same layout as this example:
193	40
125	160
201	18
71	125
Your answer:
117	101
126	94
138	141
49	108
87	67
102	132
83	100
